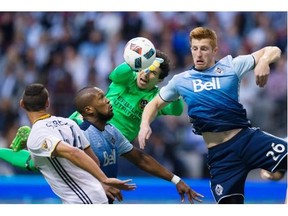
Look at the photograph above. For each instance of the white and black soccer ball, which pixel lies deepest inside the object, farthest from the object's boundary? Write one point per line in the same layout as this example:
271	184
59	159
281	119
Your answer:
139	53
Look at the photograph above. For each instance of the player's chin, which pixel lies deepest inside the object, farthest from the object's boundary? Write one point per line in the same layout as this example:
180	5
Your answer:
109	116
142	85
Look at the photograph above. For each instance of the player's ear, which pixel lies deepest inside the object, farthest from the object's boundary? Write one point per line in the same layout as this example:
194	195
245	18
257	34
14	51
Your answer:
21	104
47	103
215	50
88	109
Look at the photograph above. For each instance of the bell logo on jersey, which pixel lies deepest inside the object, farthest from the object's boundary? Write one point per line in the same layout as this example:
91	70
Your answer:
199	85
109	159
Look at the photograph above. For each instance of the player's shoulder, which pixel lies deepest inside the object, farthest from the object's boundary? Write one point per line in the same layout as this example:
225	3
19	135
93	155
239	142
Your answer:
225	60
111	128
182	74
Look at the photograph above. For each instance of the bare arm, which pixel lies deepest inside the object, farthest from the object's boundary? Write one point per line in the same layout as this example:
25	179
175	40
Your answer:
82	160
153	167
148	115
263	58
148	164
90	152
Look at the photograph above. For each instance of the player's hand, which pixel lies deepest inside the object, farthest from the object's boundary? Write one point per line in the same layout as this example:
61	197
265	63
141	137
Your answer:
183	189
20	140
122	185
262	71
271	176
113	192
144	134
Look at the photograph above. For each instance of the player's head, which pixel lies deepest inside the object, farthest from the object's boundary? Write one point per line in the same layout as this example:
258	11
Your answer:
93	105
148	78
35	98
204	47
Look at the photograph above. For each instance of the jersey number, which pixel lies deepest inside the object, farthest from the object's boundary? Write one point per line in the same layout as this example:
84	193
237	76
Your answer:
76	139
277	148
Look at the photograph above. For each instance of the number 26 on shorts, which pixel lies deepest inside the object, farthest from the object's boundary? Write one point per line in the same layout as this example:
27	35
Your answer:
277	149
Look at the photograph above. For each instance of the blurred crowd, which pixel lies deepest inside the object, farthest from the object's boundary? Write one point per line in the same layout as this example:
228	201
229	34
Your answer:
69	50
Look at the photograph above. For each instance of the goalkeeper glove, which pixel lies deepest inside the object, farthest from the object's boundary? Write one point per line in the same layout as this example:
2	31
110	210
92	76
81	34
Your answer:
156	64
20	140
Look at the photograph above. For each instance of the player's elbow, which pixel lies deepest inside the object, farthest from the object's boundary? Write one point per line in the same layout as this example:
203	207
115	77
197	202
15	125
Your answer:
278	52
178	112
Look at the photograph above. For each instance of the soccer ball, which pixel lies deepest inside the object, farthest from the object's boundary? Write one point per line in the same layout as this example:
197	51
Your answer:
139	53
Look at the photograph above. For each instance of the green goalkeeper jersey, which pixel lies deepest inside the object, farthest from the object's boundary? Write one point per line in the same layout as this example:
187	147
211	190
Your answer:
128	101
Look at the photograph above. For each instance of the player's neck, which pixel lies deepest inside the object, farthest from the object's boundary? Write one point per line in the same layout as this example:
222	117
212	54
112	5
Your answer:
100	125
36	116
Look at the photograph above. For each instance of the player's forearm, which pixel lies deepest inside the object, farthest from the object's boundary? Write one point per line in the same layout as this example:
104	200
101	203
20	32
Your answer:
268	55
153	167
20	158
82	160
90	152
150	113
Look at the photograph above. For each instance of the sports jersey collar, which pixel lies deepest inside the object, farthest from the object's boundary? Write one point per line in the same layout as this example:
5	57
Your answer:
193	67
42	117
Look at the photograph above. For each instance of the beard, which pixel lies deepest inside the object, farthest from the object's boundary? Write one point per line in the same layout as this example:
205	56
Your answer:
105	117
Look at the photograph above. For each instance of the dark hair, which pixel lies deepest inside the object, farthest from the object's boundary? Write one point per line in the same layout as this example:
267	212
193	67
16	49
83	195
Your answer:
84	97
165	66
35	97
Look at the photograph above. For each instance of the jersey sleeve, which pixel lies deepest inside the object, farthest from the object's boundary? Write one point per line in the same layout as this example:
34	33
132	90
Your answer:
243	64
123	145
175	108
169	92
41	143
123	73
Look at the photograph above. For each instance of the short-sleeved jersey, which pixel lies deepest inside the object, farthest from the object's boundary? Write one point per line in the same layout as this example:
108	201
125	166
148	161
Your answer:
71	183
108	145
212	96
128	101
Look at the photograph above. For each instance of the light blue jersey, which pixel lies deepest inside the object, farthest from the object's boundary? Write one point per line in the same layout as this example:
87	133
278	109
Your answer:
212	96
108	145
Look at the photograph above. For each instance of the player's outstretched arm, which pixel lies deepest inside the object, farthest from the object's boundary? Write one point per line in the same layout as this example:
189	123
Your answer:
17	156
147	163
148	115
263	58
183	189
21	159
82	160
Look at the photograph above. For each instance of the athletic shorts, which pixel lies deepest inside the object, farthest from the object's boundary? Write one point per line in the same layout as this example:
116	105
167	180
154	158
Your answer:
230	162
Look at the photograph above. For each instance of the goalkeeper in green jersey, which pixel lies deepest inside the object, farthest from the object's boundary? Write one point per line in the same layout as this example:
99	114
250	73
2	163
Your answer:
128	93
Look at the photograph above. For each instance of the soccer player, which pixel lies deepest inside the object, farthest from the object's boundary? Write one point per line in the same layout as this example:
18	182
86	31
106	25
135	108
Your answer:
62	153
109	144
210	90
130	91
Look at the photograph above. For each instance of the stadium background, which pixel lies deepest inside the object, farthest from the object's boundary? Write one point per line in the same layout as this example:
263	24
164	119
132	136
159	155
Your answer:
69	50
